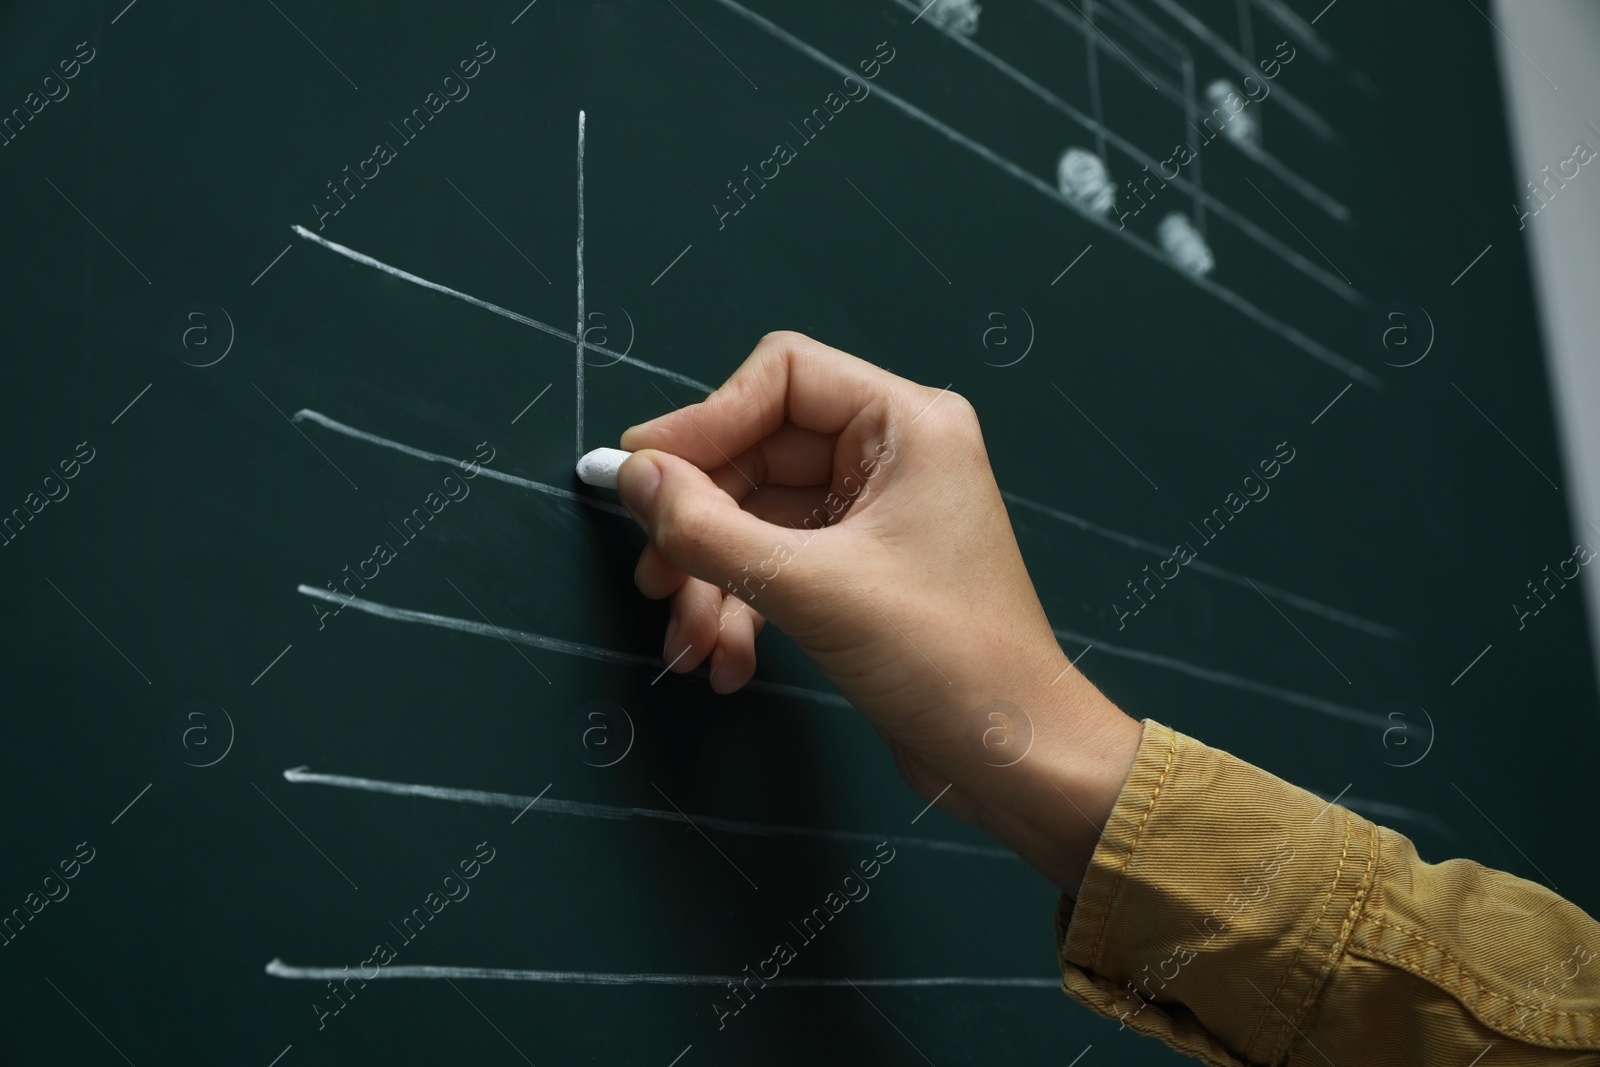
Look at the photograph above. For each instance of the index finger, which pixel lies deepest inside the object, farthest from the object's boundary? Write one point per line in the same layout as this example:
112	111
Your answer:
787	377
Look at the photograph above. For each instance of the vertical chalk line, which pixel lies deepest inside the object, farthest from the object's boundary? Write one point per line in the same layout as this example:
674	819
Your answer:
1304	603
368	261
579	369
1104	134
543	327
1293	336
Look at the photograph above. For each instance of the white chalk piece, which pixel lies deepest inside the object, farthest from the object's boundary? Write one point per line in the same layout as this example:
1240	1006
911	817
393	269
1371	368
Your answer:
599	468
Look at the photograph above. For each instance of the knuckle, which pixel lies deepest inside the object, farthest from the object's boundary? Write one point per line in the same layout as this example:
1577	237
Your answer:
950	412
781	339
962	411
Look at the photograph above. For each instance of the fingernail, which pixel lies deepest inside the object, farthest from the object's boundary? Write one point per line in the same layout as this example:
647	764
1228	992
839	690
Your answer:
637	483
672	631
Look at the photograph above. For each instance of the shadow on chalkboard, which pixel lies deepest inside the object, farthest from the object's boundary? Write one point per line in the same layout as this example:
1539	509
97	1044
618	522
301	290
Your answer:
680	760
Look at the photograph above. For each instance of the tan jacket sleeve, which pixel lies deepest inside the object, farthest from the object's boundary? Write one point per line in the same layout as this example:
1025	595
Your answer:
1245	921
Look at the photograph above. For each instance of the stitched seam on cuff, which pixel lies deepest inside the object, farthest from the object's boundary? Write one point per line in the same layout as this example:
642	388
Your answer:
1127	853
1280	1047
1357	903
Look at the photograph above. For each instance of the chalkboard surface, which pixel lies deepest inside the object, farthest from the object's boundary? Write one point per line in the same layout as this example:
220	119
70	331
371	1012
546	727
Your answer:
319	664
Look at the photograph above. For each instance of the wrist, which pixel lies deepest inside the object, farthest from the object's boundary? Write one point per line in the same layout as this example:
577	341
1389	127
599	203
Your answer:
1049	801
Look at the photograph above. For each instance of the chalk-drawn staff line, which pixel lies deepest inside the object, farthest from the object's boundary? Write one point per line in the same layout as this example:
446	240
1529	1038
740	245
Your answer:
713	44
302	433
1293	336
1329	708
615	813
606	655
543	327
497	629
532	802
1303	603
307	415
1344	618
279	969
1228	55
1299	231
550	644
695	826
603	811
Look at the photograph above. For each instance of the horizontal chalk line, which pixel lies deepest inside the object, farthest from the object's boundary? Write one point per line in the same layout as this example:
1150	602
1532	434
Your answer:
358	257
307	415
1267	322
1260	236
1345	618
1288	696
279	969
1377	808
583	809
1301	602
544	327
551	644
1304	603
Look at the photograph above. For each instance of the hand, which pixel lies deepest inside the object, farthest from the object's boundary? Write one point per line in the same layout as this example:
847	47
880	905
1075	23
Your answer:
858	512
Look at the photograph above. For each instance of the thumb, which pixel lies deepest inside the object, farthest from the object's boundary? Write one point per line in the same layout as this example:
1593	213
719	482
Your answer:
695	525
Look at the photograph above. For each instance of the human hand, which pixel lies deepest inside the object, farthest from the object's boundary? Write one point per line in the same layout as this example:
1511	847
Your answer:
857	511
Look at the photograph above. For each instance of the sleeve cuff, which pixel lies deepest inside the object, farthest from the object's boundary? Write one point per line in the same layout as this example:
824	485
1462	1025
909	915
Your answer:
1216	903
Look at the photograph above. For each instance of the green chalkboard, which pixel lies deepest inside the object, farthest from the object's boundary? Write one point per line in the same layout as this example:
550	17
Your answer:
304	608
